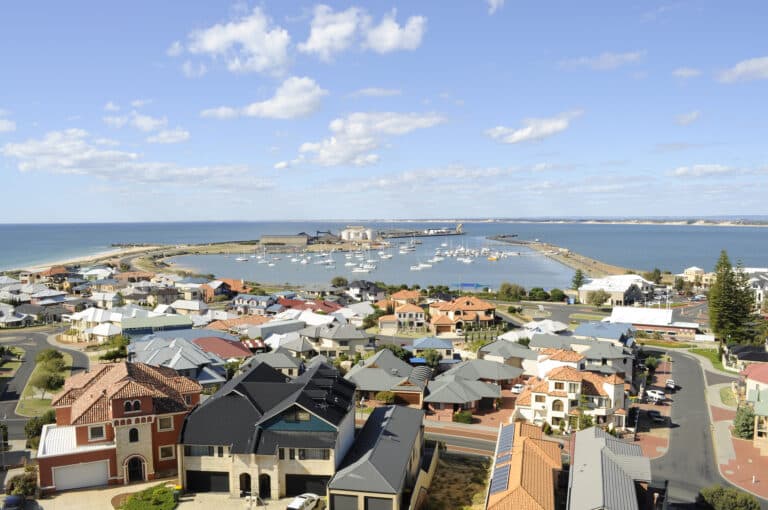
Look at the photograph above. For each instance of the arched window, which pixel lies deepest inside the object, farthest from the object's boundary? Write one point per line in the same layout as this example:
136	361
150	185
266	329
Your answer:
127	406
557	405
136	405
133	436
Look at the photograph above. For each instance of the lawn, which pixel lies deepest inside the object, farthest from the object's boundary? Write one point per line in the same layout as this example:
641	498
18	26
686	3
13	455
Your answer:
664	344
727	397
159	497
460	483
712	355
586	316
30	404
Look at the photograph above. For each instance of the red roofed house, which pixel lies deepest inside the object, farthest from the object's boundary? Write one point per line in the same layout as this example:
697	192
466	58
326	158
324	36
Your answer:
448	316
116	424
225	349
403	297
567	393
410	317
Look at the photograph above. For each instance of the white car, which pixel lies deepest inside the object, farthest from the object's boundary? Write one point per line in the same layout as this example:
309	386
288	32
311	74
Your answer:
303	502
517	388
657	395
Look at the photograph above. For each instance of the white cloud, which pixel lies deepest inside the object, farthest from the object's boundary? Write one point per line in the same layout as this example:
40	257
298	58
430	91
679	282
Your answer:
688	118
534	129
170	136
431	178
330	32
376	92
111	107
249	43
175	49
355	137
605	61
115	121
282	165
6	126
71	152
686	72
192	70
295	97
138	103
389	36
147	122
707	170
494	5
746	70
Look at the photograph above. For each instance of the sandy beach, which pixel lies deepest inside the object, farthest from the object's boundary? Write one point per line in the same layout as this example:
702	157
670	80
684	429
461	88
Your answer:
93	258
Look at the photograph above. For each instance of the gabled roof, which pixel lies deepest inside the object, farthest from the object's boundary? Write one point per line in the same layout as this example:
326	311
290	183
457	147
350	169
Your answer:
385	372
409	308
606	330
604	470
278	359
463	303
227	324
90	393
432	342
476	369
406	295
379	458
335	331
756	372
545	326
222	348
453	389
564	355
175	353
508	350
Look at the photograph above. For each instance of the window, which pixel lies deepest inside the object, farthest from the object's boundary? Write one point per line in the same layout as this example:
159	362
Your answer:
295	415
314	454
292	454
96	433
221	451
281	453
136	406
167	452
127	407
188	399
559	386
539	398
573	387
164	423
343	343
557	405
133	436
198	451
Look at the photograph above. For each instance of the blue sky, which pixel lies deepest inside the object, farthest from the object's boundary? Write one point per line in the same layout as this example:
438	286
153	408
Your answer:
191	110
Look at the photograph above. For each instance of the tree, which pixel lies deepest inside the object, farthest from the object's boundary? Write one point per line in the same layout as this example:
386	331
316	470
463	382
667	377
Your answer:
511	291
679	283
744	422
651	363
54	365
24	484
432	357
396	350
386	397
47	355
538	294
653	276
556	295
598	297
730	303
578	279
718	497
339	281
46	381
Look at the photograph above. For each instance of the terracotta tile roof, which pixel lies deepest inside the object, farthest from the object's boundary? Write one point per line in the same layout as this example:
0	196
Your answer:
384	304
90	394
314	306
236	285
540	387
533	464
224	349
524	399
409	308
133	274
563	355
468	303
441	320
565	374
405	295
53	271
756	372
227	324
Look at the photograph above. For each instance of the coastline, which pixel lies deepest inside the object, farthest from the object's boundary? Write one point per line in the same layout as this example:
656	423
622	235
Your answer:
90	258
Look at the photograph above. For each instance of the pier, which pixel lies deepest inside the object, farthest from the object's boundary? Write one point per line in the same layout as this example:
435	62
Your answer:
430	232
591	267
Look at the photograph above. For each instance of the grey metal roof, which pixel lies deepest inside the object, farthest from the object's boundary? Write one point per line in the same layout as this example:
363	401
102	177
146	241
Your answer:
598	329
507	350
335	331
383	372
378	460
475	369
278	358
452	389
176	353
603	472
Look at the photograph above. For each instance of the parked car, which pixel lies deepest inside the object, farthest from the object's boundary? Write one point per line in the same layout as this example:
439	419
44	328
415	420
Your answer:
459	331
13	503
656	417
517	388
303	502
656	395
671	385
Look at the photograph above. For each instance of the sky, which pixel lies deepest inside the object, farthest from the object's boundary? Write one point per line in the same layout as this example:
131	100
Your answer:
191	110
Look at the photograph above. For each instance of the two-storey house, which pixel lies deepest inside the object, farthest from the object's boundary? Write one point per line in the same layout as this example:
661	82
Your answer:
333	339
269	435
448	316
115	424
249	304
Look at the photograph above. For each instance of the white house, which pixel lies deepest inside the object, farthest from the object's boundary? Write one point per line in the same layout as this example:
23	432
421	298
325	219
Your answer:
623	289
358	233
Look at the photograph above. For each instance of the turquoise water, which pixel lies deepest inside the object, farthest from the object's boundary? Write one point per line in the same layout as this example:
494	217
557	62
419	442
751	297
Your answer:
642	246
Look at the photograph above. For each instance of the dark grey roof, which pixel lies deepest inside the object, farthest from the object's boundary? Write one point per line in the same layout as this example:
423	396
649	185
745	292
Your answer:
335	331
234	415
597	349
451	389
476	369
384	372
271	440
507	350
278	358
378	460
604	470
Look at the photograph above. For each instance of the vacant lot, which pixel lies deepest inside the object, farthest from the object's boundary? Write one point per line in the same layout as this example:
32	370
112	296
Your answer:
460	483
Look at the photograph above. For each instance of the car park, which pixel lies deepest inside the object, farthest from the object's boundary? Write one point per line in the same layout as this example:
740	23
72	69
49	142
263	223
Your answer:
517	388
304	501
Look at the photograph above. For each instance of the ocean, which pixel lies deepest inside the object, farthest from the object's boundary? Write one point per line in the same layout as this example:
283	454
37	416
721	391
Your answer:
668	247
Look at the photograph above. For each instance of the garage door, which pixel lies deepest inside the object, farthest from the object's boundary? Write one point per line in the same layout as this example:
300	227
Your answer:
81	475
208	481
339	502
378	504
299	484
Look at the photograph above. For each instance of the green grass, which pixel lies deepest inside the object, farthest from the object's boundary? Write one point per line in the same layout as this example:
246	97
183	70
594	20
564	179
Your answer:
712	355
29	405
727	397
665	344
159	497
586	316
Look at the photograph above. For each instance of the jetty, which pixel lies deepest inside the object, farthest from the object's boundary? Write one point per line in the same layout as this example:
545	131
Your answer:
589	266
429	232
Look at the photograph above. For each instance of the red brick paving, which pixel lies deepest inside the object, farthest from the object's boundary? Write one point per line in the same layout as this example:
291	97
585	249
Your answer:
748	463
720	414
652	446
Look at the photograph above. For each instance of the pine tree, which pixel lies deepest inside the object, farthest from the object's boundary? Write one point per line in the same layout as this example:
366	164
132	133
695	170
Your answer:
578	279
730	303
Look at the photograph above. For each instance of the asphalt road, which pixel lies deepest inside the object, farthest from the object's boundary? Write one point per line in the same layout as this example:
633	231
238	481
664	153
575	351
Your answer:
464	442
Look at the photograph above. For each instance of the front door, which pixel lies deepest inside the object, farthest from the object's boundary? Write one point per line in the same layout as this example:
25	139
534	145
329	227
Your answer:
265	487
245	485
135	470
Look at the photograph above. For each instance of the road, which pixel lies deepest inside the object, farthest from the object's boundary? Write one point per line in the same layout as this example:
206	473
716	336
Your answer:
32	343
481	446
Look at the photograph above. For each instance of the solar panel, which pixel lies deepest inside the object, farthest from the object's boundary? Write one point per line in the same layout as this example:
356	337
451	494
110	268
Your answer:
503	459
500	479
505	438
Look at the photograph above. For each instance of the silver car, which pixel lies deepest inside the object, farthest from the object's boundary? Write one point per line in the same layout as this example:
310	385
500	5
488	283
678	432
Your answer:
304	501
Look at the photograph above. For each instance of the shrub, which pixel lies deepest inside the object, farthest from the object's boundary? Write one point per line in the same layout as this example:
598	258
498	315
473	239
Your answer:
744	422
463	417
385	396
48	354
722	498
547	429
159	497
652	363
24	484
